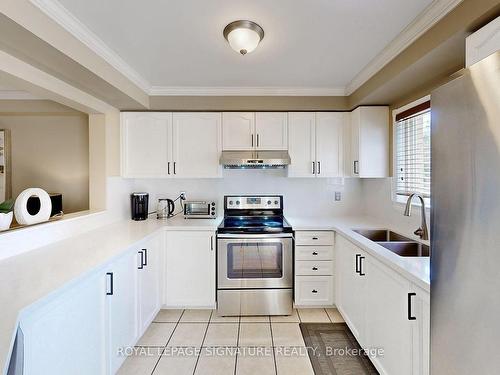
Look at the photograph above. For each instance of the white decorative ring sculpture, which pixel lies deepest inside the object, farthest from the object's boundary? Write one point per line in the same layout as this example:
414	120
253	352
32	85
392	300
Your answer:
21	210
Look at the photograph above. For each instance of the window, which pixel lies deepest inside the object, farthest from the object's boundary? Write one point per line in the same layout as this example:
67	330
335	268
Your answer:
412	156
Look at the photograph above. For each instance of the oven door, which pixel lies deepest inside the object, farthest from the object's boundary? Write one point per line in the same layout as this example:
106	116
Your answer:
254	261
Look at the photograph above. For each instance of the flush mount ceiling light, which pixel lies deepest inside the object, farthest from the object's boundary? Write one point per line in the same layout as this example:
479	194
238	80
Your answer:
243	36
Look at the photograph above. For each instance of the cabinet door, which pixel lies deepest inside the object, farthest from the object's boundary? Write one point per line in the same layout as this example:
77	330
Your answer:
190	269
146	144
196	145
329	144
370	142
149	282
67	335
421	334
482	43
387	323
238	130
302	144
350	286
121	308
271	131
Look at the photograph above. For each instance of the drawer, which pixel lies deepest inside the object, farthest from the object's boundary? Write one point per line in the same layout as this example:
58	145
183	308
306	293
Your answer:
314	252
312	267
310	237
313	290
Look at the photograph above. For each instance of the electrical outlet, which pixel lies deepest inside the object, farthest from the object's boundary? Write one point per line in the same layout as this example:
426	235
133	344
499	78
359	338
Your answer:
182	195
338	196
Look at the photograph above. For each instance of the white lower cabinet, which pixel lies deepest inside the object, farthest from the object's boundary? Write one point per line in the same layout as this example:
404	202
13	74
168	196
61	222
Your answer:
384	311
122	311
148	281
314	281
67	334
190	269
85	329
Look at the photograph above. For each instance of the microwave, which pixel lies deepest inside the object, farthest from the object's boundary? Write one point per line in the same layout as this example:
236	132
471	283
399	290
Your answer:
200	210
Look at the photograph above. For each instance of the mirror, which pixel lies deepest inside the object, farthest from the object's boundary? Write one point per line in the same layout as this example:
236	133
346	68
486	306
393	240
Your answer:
43	144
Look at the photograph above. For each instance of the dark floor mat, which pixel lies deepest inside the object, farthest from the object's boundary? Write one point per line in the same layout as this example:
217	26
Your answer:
335	350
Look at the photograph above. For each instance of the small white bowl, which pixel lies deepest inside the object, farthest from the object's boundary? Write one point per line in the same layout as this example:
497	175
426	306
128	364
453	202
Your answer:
6	220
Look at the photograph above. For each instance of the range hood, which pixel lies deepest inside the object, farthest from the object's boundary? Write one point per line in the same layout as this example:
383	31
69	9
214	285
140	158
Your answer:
255	159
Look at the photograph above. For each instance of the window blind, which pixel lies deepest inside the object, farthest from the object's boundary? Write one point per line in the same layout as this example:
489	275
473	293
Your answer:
413	154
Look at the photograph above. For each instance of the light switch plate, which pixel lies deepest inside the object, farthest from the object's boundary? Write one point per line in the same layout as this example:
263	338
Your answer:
338	196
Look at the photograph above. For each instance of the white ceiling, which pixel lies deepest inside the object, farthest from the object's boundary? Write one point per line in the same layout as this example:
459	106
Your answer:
308	43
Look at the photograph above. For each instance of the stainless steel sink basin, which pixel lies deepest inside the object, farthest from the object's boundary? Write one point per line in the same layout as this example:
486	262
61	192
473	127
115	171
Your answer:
382	235
406	248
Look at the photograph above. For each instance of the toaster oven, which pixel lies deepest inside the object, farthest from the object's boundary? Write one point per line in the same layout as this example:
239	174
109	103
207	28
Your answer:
200	210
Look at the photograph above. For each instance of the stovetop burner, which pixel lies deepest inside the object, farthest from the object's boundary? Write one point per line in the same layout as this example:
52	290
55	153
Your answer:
254	214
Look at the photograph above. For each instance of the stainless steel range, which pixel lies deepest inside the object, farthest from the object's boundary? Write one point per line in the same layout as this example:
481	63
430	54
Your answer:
254	257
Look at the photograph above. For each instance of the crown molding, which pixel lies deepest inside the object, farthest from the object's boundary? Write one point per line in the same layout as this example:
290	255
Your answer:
58	13
424	21
245	91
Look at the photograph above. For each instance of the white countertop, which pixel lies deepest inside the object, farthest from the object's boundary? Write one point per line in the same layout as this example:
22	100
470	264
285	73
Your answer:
415	269
29	277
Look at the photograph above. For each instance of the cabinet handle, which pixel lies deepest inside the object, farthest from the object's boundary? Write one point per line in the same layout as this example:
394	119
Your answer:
252	140
356	167
357	262
142	261
258	140
314	291
111	286
314	168
361	266
145	257
315	238
168	167
315	268
319	167
410	317
174	167
211	243
314	253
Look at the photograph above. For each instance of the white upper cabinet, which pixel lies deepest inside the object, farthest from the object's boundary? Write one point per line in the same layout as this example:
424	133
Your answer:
482	43
238	130
271	131
369	154
180	145
302	144
254	131
146	143
196	145
329	144
315	144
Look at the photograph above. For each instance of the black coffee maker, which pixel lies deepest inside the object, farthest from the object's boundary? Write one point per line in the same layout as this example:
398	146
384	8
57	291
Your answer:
139	206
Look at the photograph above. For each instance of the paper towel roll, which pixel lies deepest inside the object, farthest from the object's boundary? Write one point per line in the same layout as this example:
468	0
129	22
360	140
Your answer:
21	211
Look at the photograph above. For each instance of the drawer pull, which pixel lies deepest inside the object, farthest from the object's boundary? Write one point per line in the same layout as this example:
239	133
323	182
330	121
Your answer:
315	238
314	291
314	253
315	268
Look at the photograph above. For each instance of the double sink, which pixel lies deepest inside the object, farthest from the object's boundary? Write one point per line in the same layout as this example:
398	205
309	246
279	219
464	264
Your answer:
398	244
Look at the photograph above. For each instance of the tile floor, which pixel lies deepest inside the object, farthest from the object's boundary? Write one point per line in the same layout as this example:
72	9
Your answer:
200	342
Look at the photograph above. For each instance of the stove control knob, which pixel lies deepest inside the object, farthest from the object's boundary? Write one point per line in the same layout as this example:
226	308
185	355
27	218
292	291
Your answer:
268	202
230	203
238	203
275	202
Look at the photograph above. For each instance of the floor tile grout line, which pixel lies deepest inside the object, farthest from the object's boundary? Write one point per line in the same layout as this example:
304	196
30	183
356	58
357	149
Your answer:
272	343
298	314
328	315
202	342
237	345
166	344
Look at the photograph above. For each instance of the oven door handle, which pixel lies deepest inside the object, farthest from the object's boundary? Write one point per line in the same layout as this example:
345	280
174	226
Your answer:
248	236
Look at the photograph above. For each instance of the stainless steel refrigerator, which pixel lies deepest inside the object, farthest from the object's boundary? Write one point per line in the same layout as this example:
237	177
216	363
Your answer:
465	259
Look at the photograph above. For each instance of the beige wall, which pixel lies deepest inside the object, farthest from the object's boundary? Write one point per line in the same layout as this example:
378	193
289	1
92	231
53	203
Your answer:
50	150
